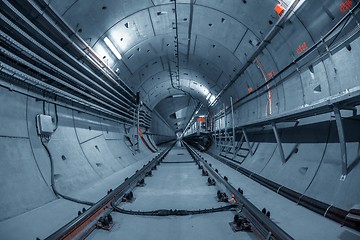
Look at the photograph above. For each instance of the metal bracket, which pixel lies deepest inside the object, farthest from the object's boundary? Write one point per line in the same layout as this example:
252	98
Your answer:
247	141
342	141
268	236
278	140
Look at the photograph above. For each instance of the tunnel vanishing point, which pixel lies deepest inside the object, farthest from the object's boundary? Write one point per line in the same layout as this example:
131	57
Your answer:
180	119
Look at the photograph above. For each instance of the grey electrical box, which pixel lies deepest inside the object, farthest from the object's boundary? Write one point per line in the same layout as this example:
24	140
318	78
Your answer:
44	124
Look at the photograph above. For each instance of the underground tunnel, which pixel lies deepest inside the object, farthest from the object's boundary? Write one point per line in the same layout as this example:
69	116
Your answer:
180	119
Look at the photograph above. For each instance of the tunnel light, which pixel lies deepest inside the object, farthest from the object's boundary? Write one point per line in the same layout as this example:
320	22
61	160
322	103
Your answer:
112	48
212	99
208	96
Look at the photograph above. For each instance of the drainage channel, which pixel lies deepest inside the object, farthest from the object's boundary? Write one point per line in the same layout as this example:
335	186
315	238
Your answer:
262	225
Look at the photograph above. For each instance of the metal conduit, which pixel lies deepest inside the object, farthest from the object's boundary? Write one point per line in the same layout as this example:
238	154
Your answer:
20	60
58	20
39	84
41	60
41	7
40	97
32	26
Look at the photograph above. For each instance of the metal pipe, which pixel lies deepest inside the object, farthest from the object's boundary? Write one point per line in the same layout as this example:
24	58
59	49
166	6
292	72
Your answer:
57	47
57	20
22	61
52	55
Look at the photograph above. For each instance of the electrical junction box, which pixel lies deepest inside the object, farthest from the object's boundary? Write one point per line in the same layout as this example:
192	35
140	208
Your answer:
44	125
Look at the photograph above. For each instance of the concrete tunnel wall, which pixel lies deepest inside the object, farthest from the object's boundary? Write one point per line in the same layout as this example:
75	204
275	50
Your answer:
84	148
316	169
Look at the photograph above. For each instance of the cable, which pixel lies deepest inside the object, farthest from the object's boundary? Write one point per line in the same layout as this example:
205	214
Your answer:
167	212
53	181
56	118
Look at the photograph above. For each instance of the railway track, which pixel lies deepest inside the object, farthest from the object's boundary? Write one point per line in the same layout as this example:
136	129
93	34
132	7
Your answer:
176	191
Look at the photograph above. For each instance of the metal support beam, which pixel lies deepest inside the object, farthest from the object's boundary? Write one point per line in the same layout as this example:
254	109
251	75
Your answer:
247	141
278	140
138	127
341	133
225	123
233	121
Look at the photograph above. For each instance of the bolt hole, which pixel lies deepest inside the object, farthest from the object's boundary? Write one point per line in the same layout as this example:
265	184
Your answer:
63	157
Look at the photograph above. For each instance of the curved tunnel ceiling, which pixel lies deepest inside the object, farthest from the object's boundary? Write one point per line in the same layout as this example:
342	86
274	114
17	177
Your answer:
170	47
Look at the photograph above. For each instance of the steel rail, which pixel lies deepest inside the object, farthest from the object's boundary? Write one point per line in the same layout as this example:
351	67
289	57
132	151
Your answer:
74	227
270	229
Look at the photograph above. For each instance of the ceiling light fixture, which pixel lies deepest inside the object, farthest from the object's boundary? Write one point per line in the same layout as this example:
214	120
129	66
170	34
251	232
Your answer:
113	49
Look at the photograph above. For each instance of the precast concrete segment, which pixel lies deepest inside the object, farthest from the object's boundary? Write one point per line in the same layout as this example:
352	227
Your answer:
22	186
286	214
39	222
13	114
299	169
261	157
341	194
71	166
